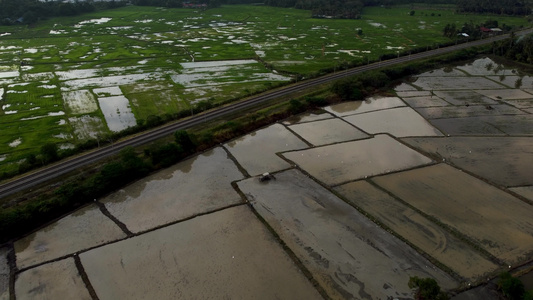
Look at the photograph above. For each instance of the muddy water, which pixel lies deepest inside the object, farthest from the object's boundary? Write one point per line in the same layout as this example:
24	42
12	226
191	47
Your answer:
404	87
369	104
523	82
451	72
4	274
83	229
399	122
485	66
407	94
506	94
327	132
117	112
464	97
349	256
307	117
57	280
80	102
506	161
424	234
256	152
526	103
425	101
195	186
225	255
86	127
467	111
487	125
525	191
451	83
495	220
349	161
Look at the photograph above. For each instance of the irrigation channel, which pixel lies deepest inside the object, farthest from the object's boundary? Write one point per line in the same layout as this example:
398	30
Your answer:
68	165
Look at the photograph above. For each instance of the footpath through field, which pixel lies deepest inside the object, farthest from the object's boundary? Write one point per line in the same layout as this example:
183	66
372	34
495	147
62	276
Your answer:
434	181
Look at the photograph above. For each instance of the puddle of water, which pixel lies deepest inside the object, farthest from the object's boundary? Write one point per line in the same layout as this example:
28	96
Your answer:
425	101
492	218
400	122
109	91
15	143
347	254
349	161
226	254
467	111
424	234
56	280
3	157
191	187
453	83
256	152
504	160
369	104
83	229
327	132
80	101
1	93
464	97
117	112
507	94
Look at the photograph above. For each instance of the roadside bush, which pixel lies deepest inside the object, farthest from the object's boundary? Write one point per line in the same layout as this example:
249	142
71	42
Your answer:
166	155
511	287
296	107
183	139
49	152
426	288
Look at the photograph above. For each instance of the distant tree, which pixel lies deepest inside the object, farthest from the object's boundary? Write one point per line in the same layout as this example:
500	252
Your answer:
183	139
49	152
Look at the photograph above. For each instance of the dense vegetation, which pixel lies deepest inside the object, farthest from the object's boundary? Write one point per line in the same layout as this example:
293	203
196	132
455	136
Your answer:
503	7
31	11
426	288
512	288
520	50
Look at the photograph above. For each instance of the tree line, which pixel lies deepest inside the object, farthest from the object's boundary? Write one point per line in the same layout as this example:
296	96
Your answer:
501	7
30	11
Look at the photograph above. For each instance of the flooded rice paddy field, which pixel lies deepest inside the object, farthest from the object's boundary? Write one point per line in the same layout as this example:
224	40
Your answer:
165	61
358	208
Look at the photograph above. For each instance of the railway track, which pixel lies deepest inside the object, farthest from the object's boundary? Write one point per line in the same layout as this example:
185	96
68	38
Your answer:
47	173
